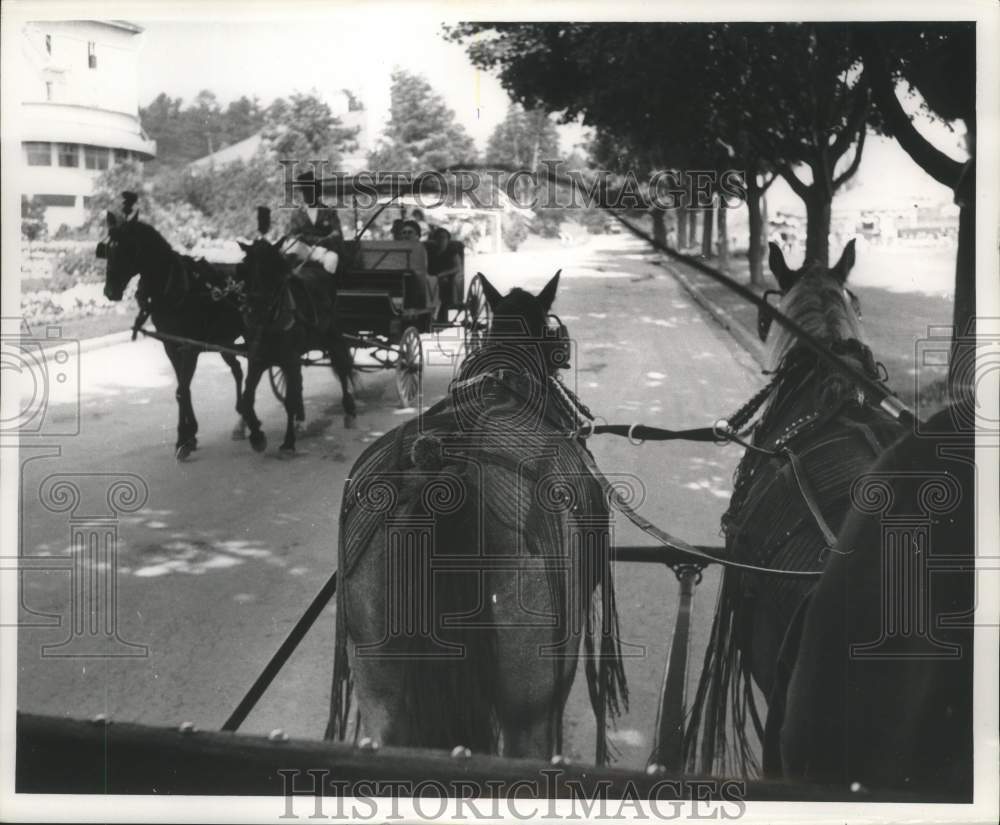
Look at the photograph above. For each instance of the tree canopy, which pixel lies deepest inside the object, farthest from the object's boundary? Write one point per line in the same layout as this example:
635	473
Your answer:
422	133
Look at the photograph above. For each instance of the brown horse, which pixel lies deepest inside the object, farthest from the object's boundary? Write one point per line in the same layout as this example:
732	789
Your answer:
815	436
185	299
881	691
473	542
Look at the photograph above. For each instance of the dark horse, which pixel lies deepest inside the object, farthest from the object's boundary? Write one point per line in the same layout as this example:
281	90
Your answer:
473	543
185	298
815	436
288	313
881	691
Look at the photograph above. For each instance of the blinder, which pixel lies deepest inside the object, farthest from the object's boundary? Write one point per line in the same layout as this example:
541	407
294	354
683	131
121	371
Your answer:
557	343
102	250
764	320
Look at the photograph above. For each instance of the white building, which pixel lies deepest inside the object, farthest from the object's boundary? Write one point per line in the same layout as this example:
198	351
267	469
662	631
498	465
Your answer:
80	110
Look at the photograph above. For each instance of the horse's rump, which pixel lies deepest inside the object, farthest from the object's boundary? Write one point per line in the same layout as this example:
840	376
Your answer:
896	711
489	496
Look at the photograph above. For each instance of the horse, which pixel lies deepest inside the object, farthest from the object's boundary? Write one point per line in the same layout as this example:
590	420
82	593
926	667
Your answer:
473	544
185	298
816	433
288	313
880	695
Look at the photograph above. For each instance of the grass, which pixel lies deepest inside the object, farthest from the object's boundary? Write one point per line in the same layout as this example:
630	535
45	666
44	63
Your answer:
895	324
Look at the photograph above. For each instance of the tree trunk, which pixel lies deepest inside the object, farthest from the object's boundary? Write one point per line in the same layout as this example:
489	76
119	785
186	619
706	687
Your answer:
692	237
682	227
659	225
818	207
707	222
757	215
961	372
723	233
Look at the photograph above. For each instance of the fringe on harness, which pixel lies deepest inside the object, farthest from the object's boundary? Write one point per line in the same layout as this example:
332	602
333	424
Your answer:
603	664
769	522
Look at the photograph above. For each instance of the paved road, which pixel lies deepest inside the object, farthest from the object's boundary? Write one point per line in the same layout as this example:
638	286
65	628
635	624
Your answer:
231	545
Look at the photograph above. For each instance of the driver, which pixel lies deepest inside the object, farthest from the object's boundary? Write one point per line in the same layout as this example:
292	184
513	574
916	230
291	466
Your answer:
316	228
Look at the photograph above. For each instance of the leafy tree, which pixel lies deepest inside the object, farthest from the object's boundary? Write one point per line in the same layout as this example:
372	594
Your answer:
422	132
671	91
241	119
523	140
305	128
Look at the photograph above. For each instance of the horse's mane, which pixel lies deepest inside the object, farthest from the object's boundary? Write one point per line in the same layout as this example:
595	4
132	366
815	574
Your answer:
817	303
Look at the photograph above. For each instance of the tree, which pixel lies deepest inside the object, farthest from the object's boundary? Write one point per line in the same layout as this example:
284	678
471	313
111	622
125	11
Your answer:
241	119
304	128
523	140
674	90
421	133
939	60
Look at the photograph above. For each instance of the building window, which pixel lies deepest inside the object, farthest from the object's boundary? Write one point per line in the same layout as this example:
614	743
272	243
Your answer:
39	154
95	157
48	90
48	43
87	201
91	54
56	200
121	155
69	155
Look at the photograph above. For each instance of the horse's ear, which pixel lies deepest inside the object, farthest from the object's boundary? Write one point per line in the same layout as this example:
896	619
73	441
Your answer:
134	217
780	270
548	295
493	296
112	220
245	247
844	266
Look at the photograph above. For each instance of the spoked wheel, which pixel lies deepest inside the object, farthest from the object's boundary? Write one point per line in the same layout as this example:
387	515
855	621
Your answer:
477	315
409	367
277	378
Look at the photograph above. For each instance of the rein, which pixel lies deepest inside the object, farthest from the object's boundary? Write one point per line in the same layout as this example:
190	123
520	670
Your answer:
577	411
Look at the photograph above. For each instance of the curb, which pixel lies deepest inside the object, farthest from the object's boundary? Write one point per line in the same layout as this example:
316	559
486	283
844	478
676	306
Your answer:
102	341
748	339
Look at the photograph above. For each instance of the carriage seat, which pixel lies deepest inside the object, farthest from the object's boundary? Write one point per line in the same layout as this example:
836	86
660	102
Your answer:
409	256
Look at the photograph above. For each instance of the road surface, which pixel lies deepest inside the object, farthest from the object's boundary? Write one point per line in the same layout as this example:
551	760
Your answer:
230	546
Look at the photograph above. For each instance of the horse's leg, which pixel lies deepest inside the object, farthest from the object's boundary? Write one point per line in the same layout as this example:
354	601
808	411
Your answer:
255	369
240	429
343	368
293	399
184	362
535	665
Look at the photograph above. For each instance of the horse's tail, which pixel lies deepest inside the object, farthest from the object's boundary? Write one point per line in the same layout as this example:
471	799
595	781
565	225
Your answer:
447	667
725	691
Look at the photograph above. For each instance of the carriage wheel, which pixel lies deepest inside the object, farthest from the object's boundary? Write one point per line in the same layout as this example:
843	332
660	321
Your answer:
409	367
477	315
277	378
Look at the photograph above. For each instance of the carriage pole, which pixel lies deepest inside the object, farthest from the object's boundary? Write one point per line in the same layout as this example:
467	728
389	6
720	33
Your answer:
669	749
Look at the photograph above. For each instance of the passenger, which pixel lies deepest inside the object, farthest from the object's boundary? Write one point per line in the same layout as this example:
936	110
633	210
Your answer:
397	229
446	264
409	231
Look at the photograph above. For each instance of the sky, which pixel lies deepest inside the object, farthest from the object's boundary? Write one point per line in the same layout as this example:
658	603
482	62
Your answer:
357	47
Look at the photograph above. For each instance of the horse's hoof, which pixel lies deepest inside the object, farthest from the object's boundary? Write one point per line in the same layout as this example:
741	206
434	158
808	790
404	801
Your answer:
258	441
287	449
349	421
183	451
